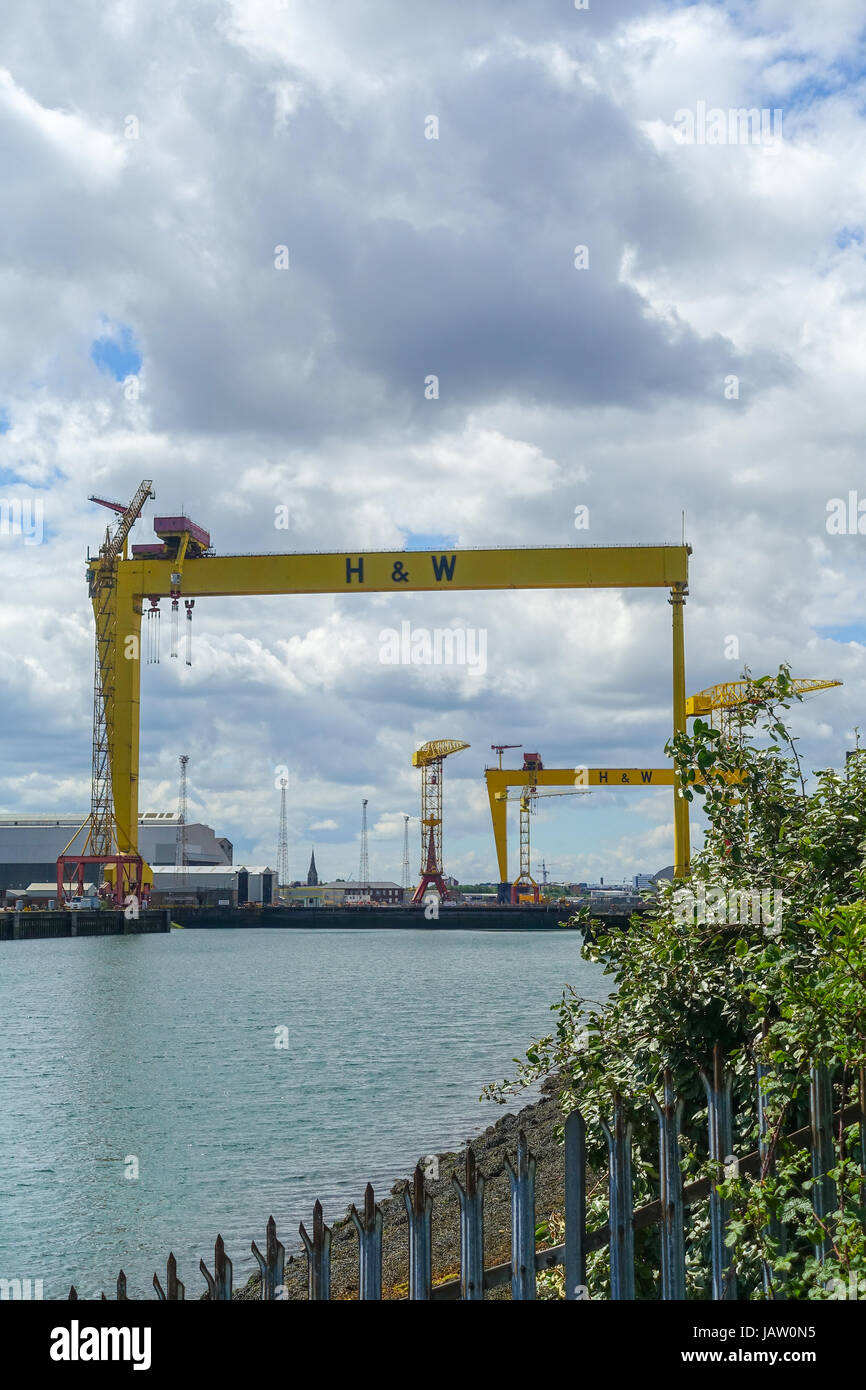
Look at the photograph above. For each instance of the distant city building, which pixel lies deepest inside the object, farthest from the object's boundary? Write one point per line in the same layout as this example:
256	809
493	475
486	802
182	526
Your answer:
344	892
316	895
382	891
312	875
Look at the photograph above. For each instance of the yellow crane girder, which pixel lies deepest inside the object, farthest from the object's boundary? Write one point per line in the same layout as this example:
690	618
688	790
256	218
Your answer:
436	749
733	693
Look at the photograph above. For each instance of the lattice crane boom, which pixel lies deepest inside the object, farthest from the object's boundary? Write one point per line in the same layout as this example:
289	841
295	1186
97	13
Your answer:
112	547
733	693
439	748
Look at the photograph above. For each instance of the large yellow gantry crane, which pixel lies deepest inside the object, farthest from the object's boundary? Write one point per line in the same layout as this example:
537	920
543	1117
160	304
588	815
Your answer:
182	565
579	779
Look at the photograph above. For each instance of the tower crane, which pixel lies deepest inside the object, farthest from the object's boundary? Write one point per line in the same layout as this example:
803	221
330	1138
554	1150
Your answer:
429	757
528	798
500	749
722	700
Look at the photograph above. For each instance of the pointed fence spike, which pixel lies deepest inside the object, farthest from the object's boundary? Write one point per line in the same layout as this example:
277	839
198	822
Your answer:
823	1150
471	1171
271	1264
575	1206
318	1256
369	1232
720	1130
471	1200
619	1136
774	1282
672	1231
419	1187
522	1179
419	1208
176	1289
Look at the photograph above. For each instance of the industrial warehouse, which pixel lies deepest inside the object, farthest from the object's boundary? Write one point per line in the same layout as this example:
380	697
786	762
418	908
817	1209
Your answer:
30	845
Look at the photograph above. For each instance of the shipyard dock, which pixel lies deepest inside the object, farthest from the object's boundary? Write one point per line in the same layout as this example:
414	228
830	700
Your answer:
34	926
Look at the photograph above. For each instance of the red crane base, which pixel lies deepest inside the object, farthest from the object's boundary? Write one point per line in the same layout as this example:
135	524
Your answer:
129	882
430	880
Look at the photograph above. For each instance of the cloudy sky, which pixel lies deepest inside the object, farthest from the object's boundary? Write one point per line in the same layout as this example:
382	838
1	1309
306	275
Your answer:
703	355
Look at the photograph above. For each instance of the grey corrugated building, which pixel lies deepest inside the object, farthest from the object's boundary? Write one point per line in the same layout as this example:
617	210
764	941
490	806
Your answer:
29	845
213	885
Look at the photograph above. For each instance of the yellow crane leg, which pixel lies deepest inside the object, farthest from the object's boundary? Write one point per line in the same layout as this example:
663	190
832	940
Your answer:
499	817
125	679
682	846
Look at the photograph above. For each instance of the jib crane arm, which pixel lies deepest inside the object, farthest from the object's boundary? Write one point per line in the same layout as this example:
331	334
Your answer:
113	545
439	748
733	693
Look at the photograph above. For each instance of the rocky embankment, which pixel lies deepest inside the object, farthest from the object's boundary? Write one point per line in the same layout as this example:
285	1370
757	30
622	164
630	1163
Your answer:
538	1120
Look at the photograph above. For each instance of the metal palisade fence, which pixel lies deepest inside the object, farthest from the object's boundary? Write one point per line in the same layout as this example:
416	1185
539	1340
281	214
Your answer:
667	1213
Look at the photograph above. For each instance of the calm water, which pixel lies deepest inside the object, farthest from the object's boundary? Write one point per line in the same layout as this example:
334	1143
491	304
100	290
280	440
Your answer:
162	1048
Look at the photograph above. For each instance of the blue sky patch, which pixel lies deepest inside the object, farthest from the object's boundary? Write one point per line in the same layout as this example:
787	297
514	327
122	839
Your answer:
853	632
5	422
116	353
428	540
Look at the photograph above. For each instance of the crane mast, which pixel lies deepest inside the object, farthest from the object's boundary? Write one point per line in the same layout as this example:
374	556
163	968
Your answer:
124	868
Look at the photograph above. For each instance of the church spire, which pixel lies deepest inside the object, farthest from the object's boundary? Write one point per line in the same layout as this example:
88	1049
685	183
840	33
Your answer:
312	876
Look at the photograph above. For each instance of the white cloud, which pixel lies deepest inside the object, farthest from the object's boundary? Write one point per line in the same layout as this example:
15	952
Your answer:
63	142
303	125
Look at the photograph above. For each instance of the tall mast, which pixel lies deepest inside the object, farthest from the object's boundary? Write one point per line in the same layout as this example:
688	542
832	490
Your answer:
364	870
283	841
180	847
